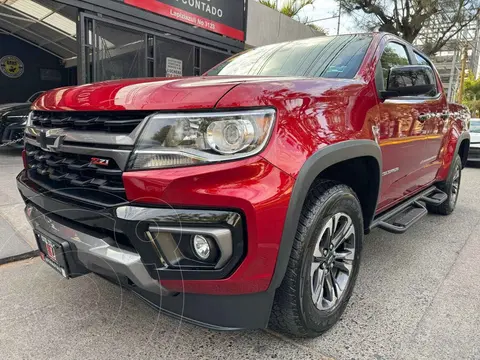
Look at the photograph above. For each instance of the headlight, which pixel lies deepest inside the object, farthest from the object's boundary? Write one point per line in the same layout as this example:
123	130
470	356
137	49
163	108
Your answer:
193	139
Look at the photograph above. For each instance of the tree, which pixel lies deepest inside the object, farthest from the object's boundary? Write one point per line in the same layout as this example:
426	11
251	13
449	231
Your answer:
292	9
472	88
472	95
406	18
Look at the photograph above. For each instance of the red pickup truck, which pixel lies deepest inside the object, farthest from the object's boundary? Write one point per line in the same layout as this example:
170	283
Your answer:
240	199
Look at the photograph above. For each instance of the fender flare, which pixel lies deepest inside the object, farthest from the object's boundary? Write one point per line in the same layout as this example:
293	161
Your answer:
463	136
318	162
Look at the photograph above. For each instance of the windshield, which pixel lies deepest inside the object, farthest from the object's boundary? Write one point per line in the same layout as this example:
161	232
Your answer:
475	126
326	56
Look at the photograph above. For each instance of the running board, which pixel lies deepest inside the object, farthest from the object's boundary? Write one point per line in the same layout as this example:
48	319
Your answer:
437	198
399	219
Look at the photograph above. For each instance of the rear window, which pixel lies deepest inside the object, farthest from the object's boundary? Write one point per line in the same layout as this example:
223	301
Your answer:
327	56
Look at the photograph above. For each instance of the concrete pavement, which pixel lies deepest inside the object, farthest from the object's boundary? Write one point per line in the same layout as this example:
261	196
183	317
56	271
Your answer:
417	297
16	238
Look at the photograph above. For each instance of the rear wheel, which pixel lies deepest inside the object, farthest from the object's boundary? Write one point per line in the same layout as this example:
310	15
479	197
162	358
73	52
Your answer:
324	262
451	186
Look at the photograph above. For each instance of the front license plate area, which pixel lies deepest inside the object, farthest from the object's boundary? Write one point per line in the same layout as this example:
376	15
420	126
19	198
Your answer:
53	254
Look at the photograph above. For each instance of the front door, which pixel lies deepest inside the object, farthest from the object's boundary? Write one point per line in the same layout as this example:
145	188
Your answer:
402	131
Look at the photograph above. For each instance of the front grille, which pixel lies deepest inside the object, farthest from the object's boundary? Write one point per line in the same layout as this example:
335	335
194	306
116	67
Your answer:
76	175
109	121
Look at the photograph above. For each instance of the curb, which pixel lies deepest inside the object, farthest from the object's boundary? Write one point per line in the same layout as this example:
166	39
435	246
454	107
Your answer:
24	256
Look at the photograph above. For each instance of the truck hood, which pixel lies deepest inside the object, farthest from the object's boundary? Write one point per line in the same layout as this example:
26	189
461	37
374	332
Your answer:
144	94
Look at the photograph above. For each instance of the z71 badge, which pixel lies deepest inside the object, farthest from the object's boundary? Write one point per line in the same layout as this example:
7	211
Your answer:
98	161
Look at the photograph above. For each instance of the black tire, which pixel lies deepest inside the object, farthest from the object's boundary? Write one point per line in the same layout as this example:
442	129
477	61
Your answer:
451	187
294	311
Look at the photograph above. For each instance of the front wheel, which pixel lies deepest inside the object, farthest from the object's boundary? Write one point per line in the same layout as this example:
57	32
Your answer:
451	187
324	262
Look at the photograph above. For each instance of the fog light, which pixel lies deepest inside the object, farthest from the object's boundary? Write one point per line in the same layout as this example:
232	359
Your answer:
201	246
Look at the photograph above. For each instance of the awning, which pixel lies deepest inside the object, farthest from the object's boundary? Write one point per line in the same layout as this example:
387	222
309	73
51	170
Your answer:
43	23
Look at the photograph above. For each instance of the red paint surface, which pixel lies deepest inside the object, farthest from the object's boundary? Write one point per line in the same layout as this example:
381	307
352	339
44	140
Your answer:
187	17
449	144
254	186
311	114
185	93
138	94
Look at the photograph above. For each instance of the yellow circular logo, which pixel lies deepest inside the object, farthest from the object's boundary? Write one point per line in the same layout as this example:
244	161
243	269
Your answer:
11	66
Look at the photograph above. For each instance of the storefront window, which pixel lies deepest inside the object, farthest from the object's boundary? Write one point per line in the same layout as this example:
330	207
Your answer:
173	58
114	51
210	58
120	53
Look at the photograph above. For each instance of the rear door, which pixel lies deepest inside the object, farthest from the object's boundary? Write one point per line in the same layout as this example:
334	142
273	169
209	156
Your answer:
402	131
434	127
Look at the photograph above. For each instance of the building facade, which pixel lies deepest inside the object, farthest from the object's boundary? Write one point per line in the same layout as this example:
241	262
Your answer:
133	38
97	40
448	60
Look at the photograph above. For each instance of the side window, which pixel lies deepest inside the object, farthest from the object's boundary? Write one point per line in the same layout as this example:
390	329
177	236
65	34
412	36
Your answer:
429	78
393	55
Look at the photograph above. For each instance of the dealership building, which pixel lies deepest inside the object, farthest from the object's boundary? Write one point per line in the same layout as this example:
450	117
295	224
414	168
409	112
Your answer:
46	44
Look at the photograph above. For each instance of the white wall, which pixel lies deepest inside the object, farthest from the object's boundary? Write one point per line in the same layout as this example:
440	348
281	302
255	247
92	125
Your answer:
267	26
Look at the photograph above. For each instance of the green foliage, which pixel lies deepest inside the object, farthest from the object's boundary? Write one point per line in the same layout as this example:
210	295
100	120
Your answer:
318	28
391	58
474	106
471	96
292	8
407	18
269	3
472	88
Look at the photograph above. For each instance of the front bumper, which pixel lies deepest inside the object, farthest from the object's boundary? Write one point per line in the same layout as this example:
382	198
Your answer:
97	254
253	188
98	239
130	228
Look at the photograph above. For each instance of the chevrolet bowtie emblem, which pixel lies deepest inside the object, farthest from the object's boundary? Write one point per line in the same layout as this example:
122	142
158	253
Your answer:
45	135
42	139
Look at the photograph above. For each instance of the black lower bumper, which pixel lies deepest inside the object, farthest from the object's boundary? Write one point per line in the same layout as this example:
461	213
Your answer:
99	242
236	312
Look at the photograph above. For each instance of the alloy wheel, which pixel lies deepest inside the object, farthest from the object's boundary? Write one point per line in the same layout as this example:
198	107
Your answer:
455	187
332	263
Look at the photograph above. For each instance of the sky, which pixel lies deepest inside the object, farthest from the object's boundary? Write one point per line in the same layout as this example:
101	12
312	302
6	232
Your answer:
324	9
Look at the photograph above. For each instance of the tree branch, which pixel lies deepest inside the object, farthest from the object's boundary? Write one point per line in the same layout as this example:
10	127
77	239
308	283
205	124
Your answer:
449	34
408	18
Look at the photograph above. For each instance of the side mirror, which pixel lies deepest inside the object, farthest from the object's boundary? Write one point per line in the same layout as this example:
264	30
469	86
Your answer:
410	80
